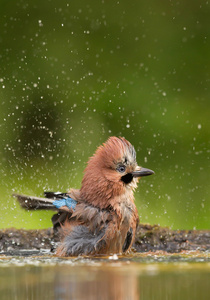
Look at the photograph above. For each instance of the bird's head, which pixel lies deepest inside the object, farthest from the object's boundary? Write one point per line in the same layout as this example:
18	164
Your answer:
111	171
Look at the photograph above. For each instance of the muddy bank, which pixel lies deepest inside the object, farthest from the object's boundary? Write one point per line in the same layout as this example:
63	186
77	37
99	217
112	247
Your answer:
153	238
148	238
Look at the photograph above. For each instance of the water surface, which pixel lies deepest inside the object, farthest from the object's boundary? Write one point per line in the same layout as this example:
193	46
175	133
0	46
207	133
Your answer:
142	277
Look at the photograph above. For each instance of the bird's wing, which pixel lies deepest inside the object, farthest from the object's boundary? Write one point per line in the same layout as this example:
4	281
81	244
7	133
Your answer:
93	231
88	231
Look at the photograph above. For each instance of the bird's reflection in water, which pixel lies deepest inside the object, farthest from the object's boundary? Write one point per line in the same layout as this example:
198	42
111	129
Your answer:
98	284
90	280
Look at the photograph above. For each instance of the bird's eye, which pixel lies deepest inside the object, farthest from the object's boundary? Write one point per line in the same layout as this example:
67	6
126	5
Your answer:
121	169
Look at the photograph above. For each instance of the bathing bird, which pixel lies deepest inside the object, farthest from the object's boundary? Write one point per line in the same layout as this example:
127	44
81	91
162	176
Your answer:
101	217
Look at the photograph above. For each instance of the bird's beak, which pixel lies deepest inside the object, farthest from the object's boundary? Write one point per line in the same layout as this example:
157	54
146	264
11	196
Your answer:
142	172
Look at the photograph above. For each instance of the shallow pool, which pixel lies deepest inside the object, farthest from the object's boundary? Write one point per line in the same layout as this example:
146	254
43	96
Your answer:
140	276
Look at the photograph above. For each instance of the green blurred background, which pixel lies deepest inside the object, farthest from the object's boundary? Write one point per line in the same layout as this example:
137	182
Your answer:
72	73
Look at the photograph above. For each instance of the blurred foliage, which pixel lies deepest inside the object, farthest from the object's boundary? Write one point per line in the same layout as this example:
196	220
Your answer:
75	72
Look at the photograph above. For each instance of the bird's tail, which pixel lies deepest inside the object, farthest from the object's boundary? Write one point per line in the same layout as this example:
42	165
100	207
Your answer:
34	203
61	202
53	201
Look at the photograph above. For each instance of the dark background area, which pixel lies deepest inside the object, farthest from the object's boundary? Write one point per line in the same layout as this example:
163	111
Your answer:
73	73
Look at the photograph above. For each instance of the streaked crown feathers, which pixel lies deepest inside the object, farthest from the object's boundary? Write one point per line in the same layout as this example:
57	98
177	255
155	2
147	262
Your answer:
113	151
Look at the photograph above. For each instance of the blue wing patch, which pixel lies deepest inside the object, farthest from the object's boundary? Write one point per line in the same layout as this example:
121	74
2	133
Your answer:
69	202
